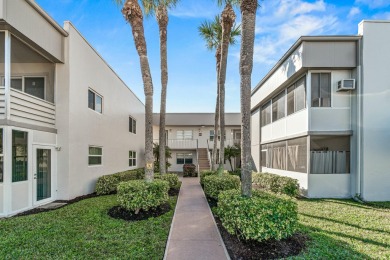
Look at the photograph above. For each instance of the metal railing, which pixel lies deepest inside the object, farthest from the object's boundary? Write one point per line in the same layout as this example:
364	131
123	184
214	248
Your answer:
228	142
208	154
181	143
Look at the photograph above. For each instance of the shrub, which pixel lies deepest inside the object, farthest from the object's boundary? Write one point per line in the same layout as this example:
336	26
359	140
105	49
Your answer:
236	172
107	184
276	183
214	184
263	216
139	194
203	174
189	170
171	178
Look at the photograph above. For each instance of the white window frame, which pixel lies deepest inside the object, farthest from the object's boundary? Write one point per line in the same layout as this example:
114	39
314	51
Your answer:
308	86
132	156
23	77
96	94
183	135
211	136
93	155
184	157
133	125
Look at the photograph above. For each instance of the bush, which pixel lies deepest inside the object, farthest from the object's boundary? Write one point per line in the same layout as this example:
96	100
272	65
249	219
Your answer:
107	184
214	184
276	183
236	172
262	217
139	194
171	178
203	174
189	170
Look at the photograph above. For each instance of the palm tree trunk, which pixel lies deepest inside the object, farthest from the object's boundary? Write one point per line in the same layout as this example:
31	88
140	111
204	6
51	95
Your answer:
133	13
248	14
227	19
216	126
162	19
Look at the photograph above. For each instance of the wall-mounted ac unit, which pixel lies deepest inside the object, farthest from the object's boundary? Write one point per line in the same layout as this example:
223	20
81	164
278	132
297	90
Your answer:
346	84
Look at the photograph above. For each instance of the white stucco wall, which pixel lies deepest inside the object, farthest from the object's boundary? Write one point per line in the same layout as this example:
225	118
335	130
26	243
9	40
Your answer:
85	127
375	147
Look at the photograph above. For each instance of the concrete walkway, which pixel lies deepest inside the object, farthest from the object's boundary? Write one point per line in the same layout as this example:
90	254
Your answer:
194	234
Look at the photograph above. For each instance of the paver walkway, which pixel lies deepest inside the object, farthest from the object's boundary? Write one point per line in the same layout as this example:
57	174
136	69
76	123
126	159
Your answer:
194	234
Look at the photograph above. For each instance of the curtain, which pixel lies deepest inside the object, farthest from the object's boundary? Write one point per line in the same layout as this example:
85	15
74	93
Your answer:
328	162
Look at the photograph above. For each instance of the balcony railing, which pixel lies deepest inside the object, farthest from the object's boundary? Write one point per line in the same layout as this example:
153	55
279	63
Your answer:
228	142
181	143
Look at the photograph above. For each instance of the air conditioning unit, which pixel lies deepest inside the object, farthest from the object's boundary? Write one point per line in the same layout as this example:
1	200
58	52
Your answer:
346	84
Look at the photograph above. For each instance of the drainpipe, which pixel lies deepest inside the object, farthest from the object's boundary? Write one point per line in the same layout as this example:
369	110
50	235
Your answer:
359	127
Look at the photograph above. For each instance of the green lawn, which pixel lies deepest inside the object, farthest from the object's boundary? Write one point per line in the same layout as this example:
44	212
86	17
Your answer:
345	229
83	230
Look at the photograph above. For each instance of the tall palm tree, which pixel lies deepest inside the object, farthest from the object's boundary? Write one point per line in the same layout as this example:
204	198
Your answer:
133	14
160	9
248	15
227	20
211	32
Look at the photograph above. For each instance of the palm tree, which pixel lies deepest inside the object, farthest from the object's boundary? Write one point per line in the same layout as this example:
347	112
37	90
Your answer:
211	32
227	20
133	14
160	9
248	15
156	154
231	152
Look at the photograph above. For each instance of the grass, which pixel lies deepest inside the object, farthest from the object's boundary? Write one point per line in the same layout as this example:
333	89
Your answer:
345	229
83	230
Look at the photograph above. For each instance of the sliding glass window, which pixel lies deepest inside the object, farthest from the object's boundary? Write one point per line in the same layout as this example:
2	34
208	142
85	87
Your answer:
320	90
279	106
266	114
19	156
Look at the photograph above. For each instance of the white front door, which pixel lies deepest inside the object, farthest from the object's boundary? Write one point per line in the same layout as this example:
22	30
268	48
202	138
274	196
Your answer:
43	174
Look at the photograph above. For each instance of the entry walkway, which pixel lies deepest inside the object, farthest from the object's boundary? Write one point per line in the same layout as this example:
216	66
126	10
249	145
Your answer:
194	234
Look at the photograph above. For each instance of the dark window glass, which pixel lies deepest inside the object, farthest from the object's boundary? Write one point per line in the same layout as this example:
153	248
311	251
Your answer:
290	100
95	155
91	100
17	83
320	90
278	106
19	156
132	125
35	87
266	114
300	95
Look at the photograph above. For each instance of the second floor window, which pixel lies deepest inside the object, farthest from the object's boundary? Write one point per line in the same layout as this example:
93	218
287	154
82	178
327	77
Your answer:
296	97
34	86
320	90
278	106
266	114
132	125
184	134
95	101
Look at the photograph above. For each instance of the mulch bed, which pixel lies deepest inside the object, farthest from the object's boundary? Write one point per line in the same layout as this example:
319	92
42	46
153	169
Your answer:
118	212
40	210
248	250
173	192
272	249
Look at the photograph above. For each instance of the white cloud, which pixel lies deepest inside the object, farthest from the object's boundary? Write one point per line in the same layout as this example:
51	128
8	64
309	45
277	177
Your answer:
353	12
382	16
194	9
373	4
294	7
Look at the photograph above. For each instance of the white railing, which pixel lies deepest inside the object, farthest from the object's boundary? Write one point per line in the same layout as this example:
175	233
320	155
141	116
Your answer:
209	155
2	102
181	143
26	108
228	142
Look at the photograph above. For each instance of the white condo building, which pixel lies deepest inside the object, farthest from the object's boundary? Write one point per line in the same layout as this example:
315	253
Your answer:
321	115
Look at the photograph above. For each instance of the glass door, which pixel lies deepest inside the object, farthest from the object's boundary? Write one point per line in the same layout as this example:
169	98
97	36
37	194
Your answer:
42	174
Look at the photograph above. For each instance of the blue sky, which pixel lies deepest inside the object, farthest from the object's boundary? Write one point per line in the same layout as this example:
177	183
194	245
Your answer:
191	67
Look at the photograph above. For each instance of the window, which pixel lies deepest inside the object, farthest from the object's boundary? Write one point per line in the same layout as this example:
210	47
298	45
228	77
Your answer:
266	114
320	90
132	125
1	156
19	156
95	155
132	158
278	106
34	86
296	97
184	134
95	101
184	158
211	135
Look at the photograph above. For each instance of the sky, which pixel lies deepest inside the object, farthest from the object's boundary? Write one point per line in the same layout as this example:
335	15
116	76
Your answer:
191	66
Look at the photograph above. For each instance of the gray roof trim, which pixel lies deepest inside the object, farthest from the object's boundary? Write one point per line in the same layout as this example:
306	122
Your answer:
297	44
47	17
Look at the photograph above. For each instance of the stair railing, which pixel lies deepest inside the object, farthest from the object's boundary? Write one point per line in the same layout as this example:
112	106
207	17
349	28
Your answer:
209	154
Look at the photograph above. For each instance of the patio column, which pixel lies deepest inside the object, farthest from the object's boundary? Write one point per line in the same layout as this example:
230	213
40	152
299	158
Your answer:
7	74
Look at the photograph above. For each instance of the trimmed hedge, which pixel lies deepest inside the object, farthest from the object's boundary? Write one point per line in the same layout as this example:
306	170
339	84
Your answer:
203	174
276	183
214	184
107	184
262	217
171	178
139	194
189	170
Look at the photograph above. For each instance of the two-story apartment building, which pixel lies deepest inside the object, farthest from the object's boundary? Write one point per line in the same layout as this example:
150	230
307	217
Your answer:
321	115
190	136
66	118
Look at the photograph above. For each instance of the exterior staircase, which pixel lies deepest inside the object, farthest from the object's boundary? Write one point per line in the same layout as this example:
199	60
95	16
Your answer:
203	159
